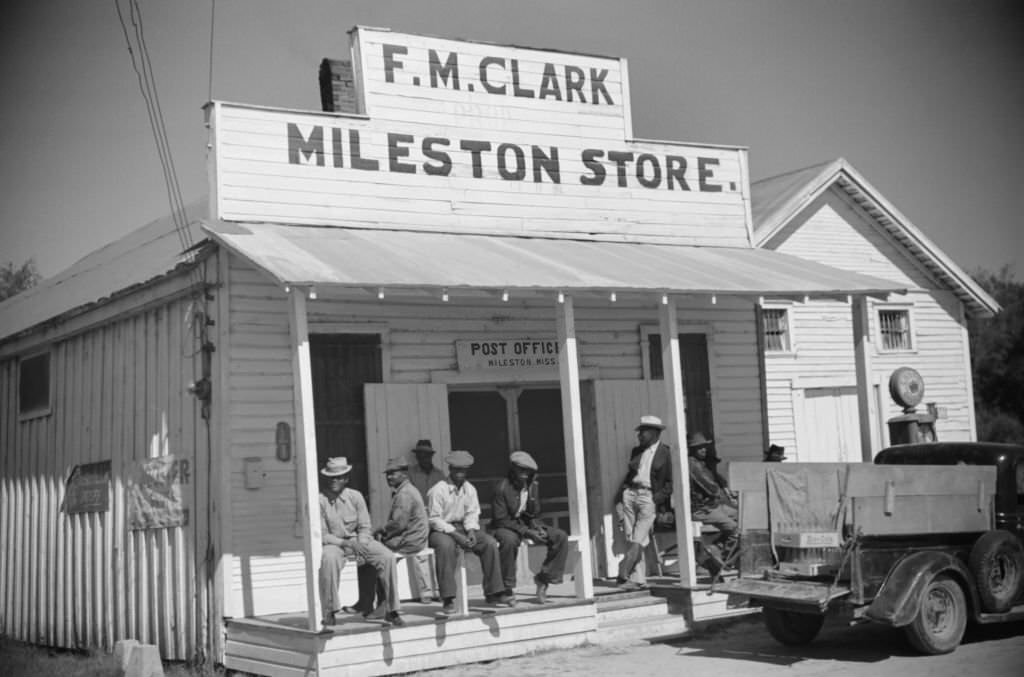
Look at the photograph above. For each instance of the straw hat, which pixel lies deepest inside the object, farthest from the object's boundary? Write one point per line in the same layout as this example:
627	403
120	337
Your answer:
336	467
648	421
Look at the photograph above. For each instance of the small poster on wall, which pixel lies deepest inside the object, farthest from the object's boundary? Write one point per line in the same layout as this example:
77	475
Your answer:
88	489
153	492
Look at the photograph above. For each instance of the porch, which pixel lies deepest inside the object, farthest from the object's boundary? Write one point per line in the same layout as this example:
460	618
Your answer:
279	645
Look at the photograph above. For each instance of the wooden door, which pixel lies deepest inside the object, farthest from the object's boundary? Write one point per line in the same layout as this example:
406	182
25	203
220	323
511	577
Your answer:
398	414
831	429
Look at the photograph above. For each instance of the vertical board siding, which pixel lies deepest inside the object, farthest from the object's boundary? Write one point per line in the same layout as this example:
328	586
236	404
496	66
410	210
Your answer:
267	562
833	231
85	580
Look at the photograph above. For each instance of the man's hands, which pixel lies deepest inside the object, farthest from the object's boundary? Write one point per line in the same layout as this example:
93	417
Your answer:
537	534
620	519
465	541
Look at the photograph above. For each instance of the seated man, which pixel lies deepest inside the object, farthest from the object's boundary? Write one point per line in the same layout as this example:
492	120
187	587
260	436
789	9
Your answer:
453	510
345	529
711	502
516	509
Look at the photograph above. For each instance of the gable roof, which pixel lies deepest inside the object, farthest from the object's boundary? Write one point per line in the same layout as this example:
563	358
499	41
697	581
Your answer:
777	200
141	256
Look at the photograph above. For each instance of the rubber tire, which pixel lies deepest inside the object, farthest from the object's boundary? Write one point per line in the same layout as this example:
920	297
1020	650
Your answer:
790	627
938	633
997	564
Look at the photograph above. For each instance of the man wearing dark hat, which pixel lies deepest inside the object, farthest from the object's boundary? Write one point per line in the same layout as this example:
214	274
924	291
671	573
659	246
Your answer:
516	515
711	502
423	474
345	529
775	454
454	513
648	483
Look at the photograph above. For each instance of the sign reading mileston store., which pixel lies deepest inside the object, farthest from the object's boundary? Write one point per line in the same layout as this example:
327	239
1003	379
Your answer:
462	136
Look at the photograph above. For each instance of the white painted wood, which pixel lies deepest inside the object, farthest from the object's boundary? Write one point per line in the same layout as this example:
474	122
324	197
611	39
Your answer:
862	362
572	431
675	418
305	456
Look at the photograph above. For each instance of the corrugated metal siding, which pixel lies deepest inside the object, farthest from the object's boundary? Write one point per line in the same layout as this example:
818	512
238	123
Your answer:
85	580
421	335
834	233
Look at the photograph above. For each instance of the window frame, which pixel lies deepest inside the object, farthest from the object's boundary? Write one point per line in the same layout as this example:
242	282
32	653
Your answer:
880	336
787	308
42	410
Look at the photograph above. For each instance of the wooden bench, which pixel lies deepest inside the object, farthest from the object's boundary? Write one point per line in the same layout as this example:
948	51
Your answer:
701	534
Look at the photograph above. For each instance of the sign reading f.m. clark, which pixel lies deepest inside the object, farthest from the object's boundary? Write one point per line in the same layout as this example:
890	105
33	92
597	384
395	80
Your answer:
462	136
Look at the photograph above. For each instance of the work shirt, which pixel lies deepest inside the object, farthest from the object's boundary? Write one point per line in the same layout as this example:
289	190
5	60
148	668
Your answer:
424	480
705	490
515	509
448	504
406	529
643	471
346	516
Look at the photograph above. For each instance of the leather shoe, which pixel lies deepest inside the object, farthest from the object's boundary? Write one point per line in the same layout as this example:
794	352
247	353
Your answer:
542	590
330	619
448	608
394	618
380	613
353	609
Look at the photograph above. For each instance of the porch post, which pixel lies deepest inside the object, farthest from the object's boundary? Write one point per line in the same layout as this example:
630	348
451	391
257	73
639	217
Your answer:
305	454
862	364
572	432
676	420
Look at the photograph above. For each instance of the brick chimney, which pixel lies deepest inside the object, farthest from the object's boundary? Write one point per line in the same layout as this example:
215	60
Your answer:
337	87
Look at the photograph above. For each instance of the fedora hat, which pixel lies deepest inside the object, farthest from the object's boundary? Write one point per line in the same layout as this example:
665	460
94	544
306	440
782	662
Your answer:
648	421
336	466
775	452
697	440
423	445
396	463
523	460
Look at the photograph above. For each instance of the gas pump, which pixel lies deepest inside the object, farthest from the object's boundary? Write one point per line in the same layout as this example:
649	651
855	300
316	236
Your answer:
906	387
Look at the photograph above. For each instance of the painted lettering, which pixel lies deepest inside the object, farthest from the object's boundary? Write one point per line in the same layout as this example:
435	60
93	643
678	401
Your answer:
704	173
307	147
517	174
390	63
549	84
521	92
574	81
396	151
485	63
337	152
597	86
591	157
444	160
475	149
652	181
449	69
620	158
358	161
548	162
675	169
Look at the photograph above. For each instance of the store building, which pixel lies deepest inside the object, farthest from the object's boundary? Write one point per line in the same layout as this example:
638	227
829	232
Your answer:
480	254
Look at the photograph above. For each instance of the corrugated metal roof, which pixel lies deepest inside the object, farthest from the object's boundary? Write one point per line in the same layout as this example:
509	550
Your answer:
350	257
136	258
777	200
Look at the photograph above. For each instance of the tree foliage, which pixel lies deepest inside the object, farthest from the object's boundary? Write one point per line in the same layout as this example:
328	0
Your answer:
14	280
997	350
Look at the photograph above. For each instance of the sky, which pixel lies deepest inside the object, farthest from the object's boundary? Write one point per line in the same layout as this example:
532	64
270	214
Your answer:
925	98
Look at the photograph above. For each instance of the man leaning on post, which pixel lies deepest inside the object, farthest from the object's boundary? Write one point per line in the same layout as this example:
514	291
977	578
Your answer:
423	474
648	483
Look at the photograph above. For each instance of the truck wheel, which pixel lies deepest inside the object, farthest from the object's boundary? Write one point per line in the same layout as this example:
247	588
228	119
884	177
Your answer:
997	563
939	624
792	628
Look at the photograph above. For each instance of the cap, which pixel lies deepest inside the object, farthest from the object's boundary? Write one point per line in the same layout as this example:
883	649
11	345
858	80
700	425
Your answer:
523	460
459	459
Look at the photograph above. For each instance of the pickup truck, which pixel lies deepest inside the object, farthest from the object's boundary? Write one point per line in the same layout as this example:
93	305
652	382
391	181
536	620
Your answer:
927	538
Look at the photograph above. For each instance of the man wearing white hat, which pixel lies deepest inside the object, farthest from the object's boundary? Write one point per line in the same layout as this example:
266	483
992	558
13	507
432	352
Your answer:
516	515
345	530
648	483
453	510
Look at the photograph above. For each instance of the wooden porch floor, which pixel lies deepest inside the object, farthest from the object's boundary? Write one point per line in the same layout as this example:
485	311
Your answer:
280	644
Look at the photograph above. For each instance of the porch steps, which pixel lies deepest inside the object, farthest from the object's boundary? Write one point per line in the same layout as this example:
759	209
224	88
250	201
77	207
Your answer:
635	616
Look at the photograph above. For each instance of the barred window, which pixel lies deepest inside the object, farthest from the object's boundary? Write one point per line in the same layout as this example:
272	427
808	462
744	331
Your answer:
775	325
894	329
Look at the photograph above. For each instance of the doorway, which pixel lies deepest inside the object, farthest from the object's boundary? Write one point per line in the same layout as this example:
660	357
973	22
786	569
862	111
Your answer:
696	374
492	421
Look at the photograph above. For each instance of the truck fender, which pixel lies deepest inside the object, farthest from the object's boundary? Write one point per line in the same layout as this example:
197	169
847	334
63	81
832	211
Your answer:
899	598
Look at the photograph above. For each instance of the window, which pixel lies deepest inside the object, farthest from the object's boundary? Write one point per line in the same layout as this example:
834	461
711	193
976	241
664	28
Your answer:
894	329
775	325
34	385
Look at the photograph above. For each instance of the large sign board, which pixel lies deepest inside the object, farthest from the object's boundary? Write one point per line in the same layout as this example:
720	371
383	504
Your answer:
506	354
472	137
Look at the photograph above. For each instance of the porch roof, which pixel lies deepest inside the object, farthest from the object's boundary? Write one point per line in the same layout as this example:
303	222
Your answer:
359	257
